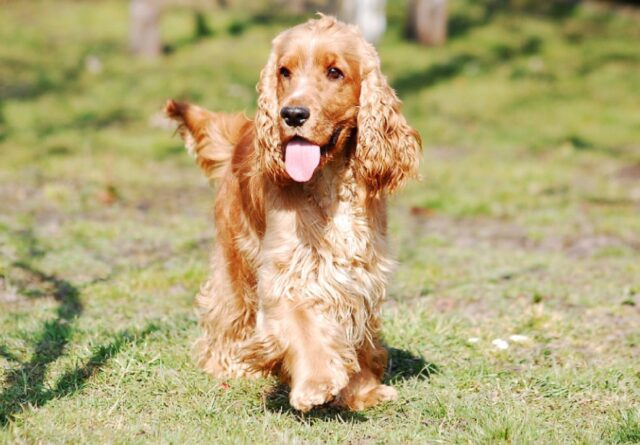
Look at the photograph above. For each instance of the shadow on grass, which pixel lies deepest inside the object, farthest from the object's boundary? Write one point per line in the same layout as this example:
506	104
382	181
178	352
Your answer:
277	400
236	27
402	365
460	23
457	64
60	75
87	121
434	74
201	31
44	83
273	17
25	385
75	379
4	352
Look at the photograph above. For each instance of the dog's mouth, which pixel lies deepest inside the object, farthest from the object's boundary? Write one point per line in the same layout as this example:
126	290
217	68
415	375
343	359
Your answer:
333	140
302	157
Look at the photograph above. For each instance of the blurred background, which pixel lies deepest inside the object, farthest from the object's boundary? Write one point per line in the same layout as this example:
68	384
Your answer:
526	220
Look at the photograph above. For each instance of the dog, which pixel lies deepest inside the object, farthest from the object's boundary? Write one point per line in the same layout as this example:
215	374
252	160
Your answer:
300	264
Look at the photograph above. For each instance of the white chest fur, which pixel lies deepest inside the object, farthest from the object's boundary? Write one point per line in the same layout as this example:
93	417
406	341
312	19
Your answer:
326	251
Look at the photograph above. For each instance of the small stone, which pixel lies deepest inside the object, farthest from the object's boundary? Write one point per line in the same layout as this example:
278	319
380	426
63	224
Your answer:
500	343
93	64
517	338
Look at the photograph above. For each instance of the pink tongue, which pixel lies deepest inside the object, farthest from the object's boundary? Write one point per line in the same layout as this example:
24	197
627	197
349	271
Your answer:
301	159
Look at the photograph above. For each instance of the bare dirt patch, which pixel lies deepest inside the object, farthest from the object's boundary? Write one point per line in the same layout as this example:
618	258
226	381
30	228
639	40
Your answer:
472	232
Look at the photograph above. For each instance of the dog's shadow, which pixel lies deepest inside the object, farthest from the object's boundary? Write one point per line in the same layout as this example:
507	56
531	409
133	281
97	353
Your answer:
403	365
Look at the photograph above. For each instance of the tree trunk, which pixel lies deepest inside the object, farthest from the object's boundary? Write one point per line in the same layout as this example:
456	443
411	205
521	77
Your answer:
428	21
368	15
144	34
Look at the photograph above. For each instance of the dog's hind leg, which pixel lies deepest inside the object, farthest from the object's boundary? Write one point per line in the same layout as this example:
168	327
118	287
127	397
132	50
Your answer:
227	318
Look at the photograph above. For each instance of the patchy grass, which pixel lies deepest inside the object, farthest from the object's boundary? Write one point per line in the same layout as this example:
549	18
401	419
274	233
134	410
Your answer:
526	223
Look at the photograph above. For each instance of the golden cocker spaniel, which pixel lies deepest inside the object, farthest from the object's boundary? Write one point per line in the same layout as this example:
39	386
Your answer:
300	263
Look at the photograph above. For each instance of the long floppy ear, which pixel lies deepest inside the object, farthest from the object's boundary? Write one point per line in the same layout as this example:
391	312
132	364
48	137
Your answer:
266	122
209	137
388	150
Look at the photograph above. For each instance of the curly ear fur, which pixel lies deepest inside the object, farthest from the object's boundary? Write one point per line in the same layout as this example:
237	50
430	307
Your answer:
266	122
388	150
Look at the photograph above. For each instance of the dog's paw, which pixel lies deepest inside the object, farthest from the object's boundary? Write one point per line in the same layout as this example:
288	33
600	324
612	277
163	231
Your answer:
382	393
312	393
366	399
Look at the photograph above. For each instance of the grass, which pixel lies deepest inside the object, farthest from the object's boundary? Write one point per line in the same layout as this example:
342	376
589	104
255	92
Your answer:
526	222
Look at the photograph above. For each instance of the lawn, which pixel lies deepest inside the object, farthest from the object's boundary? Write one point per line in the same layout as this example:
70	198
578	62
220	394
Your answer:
525	228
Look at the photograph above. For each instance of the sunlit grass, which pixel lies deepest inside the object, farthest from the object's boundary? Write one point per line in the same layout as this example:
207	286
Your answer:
526	222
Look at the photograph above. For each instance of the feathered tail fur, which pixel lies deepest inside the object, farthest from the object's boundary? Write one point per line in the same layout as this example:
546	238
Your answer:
209	137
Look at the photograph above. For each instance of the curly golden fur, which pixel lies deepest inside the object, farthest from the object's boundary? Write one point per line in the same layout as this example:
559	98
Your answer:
299	269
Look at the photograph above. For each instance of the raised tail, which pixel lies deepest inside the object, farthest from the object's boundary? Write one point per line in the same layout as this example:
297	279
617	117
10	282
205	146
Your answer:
209	137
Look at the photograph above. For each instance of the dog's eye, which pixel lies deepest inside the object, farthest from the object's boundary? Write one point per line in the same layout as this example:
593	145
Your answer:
334	73
284	72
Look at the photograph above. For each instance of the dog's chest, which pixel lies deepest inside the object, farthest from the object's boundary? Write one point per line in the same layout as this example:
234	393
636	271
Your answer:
327	248
345	227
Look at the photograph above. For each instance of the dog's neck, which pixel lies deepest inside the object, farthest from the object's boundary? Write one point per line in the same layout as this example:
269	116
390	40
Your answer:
333	184
333	189
334	207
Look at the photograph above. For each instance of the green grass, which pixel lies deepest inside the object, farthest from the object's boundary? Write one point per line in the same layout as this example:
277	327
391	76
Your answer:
527	221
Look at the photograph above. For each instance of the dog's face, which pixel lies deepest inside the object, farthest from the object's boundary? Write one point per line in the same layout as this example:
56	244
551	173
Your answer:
318	90
321	86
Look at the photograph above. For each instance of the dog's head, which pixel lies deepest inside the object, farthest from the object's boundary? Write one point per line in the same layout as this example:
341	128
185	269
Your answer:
321	90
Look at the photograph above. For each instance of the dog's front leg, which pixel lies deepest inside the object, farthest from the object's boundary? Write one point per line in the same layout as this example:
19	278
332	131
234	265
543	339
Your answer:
316	359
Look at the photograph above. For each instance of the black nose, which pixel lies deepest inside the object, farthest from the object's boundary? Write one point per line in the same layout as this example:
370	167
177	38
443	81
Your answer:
295	116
